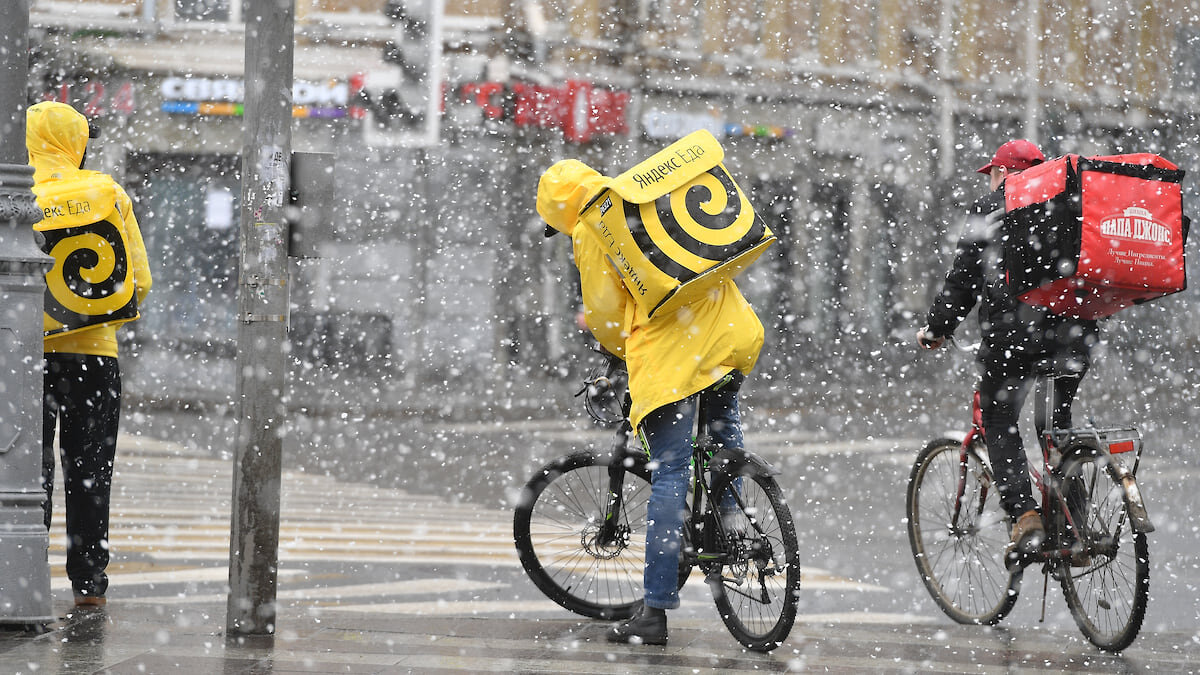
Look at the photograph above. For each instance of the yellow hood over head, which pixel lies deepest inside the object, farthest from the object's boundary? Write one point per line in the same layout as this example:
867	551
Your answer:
563	191
56	136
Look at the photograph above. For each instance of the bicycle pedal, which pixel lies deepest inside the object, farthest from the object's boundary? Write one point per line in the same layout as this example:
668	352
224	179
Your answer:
1015	560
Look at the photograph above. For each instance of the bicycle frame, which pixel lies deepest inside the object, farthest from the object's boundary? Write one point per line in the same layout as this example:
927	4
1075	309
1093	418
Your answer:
707	457
1108	442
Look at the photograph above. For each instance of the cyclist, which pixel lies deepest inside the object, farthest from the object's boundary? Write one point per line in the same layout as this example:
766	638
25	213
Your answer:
1015	338
698	355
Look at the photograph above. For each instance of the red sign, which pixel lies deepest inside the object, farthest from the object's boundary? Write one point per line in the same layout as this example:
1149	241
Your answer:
581	109
97	99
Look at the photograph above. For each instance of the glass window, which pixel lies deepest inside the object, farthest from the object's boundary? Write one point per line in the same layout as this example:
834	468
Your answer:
202	10
188	211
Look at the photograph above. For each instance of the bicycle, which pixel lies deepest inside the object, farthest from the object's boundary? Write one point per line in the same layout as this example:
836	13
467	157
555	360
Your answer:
1096	525
580	528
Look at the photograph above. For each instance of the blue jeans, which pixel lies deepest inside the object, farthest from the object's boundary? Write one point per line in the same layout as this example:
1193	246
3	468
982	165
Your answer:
666	434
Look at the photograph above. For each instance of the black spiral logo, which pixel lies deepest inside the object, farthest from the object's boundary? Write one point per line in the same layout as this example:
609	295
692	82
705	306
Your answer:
72	298
697	195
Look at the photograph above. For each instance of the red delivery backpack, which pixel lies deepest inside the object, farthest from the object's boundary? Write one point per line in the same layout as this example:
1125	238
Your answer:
1087	237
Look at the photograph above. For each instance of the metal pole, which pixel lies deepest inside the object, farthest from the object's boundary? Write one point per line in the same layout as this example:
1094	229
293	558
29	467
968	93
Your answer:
425	243
262	319
947	97
24	541
1033	75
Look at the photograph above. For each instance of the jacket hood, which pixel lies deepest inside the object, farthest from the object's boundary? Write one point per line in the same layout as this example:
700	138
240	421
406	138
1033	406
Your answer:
563	191
56	136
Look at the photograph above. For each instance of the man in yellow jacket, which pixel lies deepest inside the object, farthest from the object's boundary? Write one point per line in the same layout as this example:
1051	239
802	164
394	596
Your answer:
99	277
697	355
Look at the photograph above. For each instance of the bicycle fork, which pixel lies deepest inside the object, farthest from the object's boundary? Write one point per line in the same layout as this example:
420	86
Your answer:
964	467
610	528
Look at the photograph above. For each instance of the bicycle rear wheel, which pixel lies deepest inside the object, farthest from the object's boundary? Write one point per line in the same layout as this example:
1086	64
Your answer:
757	581
557	530
958	542
1108	596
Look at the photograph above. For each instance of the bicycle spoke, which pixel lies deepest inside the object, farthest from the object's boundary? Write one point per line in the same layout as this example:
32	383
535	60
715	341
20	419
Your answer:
757	578
583	563
1108	597
958	540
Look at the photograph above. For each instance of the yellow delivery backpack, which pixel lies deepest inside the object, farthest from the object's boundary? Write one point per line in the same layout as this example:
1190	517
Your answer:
91	282
676	225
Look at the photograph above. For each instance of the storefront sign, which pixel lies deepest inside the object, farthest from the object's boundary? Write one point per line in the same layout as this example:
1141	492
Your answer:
767	131
580	109
211	96
841	135
664	124
96	99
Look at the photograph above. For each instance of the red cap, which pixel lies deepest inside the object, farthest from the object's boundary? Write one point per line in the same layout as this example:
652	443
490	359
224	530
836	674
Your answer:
1015	155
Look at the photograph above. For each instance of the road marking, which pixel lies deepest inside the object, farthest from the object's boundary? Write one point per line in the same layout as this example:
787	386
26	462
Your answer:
882	446
191	574
321	596
443	608
170	525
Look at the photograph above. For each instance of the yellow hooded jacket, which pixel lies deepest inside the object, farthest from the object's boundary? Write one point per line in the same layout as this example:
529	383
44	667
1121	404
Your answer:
671	356
89	229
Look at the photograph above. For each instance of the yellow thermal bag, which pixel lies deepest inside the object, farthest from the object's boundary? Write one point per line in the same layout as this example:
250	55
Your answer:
91	282
676	225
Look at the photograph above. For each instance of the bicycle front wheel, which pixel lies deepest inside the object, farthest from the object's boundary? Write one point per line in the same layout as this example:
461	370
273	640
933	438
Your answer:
587	569
758	580
1109	586
958	531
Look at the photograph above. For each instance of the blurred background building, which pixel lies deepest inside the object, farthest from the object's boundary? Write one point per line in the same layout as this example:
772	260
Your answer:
855	125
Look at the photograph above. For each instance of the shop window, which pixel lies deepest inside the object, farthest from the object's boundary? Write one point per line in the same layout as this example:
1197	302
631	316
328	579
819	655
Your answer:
675	24
772	286
831	212
188	210
886	202
1186	73
203	10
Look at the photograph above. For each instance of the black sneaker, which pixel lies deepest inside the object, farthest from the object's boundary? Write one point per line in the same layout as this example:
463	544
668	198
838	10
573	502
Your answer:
647	626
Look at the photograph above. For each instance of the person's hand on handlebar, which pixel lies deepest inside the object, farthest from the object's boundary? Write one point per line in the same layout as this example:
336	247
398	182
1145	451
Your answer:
928	340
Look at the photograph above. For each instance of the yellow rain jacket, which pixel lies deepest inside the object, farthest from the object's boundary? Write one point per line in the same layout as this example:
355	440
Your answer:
671	356
100	271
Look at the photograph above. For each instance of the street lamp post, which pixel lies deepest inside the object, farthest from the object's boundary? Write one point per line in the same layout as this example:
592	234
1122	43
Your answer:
262	319
24	541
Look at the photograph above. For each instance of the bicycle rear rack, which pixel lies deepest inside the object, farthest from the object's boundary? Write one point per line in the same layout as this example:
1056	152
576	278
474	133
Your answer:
1118	443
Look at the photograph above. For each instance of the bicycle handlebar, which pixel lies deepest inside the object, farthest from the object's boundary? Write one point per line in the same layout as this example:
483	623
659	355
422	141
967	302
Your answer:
599	386
930	341
600	391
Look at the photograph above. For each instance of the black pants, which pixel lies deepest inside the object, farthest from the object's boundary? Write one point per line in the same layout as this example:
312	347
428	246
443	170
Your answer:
83	396
1002	390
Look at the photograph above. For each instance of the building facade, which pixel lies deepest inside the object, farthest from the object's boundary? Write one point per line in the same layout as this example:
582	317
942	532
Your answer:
854	126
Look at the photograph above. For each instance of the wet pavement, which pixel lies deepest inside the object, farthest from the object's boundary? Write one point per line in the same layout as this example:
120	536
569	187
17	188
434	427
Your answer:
388	580
131	637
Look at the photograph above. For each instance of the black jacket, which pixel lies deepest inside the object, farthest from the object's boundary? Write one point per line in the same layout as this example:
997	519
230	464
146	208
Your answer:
1009	328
